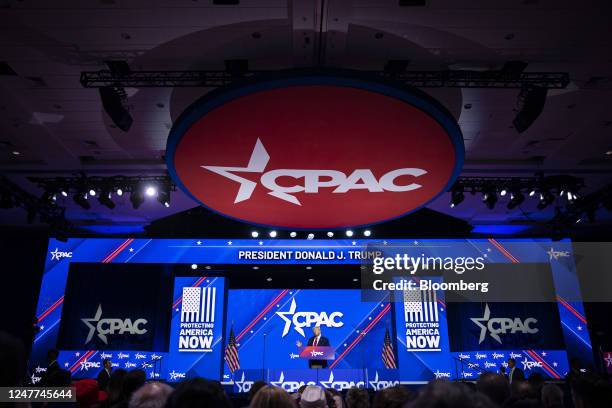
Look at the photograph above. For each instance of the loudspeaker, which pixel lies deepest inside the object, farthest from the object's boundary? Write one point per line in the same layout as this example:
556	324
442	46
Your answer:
113	106
533	104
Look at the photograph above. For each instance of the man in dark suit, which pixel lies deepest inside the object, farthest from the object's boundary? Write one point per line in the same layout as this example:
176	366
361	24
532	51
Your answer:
104	375
52	366
316	340
514	373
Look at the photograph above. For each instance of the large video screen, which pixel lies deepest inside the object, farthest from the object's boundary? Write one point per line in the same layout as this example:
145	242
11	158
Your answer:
168	306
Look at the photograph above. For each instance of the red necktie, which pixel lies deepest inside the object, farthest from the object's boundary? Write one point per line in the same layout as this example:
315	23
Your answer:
316	341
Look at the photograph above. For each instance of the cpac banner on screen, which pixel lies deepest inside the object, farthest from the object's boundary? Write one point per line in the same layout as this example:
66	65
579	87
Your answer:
269	324
196	329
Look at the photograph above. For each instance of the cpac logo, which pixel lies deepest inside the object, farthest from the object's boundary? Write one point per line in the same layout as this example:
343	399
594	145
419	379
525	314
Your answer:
112	326
155	357
174	375
129	364
314	353
467	374
464	356
242	385
86	365
440	374
34	379
290	386
308	319
497	356
140	356
40	369
293	356
57	254
381	384
557	254
104	355
489	364
530	365
359	179
502	325
515	355
340	385
121	356
480	356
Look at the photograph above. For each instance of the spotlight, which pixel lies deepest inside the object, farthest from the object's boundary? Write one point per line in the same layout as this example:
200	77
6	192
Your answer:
92	192
516	199
503	192
272	234
269	279
293	234
194	266
47	196
136	198
119	192
533	100
310	279
254	234
64	193
164	198
457	197
330	234
112	101
81	199
310	236
105	199
532	193
150	191
349	233
490	199
367	233
546	198
570	196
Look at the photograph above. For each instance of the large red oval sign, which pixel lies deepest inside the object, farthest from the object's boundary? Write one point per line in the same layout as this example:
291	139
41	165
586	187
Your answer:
315	152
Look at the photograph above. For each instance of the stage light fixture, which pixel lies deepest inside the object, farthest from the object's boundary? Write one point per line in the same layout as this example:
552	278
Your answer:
516	199
269	279
570	196
272	234
490	199
457	197
47	196
112	101
163	196
355	280
349	233
532	100
503	192
310	236
92	192
546	199
330	234
105	199
81	199
136	198
310	279
194	266
150	191
254	234
255	268
64	193
293	234
119	192
367	233
532	193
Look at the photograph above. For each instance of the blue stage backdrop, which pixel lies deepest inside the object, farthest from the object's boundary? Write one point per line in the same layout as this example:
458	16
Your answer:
142	313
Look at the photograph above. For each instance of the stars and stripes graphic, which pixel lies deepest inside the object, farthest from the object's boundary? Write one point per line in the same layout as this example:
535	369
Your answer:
198	304
231	352
420	306
388	356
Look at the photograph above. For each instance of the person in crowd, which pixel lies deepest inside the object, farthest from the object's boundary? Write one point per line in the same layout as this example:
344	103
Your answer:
336	398
444	394
495	386
88	394
115	386
59	378
272	397
132	381
514	373
552	396
313	396
357	398
198	393
104	375
591	391
12	361
152	395
257	385
392	397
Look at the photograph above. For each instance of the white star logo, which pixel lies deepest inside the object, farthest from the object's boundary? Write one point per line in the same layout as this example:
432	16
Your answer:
483	327
327	384
55	254
131	249
374	384
240	384
65	364
229	242
280	381
199	242
608	360
92	328
291	312
260	242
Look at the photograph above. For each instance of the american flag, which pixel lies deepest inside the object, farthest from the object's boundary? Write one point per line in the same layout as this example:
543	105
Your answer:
388	356
231	352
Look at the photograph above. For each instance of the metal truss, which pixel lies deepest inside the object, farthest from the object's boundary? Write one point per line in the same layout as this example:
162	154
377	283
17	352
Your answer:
420	79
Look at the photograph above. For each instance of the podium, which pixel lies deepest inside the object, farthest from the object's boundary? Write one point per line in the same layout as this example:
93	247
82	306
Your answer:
317	353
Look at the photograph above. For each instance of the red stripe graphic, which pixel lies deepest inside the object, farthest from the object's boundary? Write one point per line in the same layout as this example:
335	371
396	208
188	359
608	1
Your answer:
117	251
361	335
262	314
51	308
83	358
196	284
545	365
504	251
571	309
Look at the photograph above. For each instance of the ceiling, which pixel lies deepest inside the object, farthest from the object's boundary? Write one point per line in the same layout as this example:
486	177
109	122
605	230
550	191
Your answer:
60	128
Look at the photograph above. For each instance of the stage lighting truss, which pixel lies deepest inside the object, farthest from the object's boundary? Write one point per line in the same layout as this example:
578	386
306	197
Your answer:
421	79
547	190
83	189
